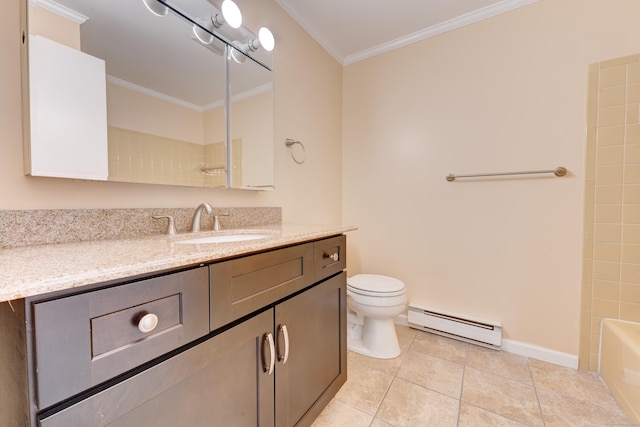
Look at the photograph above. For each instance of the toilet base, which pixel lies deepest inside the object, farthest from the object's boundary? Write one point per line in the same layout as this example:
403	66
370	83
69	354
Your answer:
376	338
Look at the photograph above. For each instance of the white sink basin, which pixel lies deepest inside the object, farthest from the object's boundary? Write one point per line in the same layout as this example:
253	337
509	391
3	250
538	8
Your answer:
226	238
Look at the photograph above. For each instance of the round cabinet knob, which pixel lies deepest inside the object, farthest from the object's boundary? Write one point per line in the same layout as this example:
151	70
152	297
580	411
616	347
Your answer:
333	257
147	323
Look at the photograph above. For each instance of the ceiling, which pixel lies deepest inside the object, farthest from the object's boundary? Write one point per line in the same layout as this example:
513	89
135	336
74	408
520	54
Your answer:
352	30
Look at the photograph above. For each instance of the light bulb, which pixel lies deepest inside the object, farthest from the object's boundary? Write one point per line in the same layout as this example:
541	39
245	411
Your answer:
236	55
266	39
200	33
156	7
231	13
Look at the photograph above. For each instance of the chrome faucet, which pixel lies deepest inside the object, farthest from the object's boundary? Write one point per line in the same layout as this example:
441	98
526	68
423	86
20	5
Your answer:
195	225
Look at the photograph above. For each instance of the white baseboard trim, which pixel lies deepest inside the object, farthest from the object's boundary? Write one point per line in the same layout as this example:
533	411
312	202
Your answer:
526	349
540	353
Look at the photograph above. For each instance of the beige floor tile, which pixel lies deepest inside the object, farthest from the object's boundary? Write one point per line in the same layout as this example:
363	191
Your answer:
388	366
501	363
364	388
433	373
406	336
408	405
561	410
579	385
498	389
339	414
472	416
503	396
379	423
439	346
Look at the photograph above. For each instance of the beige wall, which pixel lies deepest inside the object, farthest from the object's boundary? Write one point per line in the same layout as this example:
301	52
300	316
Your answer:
504	94
310	193
611	279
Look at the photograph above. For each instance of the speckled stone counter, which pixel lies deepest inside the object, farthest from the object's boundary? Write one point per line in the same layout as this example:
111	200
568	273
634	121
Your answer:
32	270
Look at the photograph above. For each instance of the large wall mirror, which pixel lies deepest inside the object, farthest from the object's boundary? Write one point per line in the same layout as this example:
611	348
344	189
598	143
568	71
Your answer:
185	104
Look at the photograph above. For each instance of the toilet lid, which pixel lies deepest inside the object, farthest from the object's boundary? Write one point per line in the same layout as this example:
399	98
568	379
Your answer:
368	284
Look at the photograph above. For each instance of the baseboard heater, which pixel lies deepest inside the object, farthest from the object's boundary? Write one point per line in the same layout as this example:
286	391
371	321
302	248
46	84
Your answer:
485	333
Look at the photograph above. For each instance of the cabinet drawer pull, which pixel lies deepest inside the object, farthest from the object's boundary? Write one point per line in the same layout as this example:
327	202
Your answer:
272	355
147	323
334	257
285	334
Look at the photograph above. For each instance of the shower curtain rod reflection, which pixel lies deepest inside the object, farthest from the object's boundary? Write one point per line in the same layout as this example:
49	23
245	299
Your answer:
559	171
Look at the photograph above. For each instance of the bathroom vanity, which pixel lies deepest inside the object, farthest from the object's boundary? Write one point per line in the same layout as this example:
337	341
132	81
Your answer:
252	338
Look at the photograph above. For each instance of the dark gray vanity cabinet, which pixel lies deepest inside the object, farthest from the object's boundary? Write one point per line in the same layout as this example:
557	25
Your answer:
219	382
309	327
258	340
314	368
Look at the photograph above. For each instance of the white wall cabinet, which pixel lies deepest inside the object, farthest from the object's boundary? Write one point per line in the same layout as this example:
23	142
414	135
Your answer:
66	125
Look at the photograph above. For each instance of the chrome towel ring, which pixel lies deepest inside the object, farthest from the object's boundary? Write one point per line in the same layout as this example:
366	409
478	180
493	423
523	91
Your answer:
289	142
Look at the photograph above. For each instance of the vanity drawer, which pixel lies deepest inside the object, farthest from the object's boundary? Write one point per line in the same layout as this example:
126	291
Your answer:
330	257
85	339
244	285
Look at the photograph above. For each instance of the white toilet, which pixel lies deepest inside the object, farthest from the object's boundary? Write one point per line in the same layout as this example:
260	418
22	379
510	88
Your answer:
373	302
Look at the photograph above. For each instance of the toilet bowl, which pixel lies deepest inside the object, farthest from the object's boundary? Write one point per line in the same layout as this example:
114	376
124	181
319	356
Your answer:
373	302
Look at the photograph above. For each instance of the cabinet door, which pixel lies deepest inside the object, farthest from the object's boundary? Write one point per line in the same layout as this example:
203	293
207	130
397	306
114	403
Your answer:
220	382
67	137
315	366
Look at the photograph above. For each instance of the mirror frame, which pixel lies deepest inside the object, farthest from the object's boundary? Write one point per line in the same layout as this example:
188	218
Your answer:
229	101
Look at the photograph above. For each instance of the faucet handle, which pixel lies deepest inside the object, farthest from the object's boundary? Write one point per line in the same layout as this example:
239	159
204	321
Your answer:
216	221
171	226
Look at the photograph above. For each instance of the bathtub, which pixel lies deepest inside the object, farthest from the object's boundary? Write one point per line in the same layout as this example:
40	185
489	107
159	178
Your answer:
619	363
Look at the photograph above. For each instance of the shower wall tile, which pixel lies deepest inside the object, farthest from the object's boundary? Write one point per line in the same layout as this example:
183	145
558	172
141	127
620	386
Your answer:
612	75
607	252
608	213
630	312
633	72
633	114
609	194
630	293
632	134
631	233
632	154
631	214
613	135
608	233
631	273
606	290
606	270
632	193
611	155
605	308
611	116
630	253
633	94
612	96
611	260
631	174
607	174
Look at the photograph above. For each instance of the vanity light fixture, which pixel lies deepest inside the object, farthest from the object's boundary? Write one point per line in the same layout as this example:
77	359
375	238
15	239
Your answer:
231	13
156	7
226	24
236	55
265	39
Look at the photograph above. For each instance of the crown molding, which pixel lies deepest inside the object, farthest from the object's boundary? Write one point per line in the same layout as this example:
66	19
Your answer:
61	10
434	30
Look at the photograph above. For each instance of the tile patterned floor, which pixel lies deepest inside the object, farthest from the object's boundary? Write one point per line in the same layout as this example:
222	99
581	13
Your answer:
442	382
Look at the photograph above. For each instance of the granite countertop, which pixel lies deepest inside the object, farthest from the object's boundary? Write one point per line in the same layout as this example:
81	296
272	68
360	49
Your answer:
33	270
